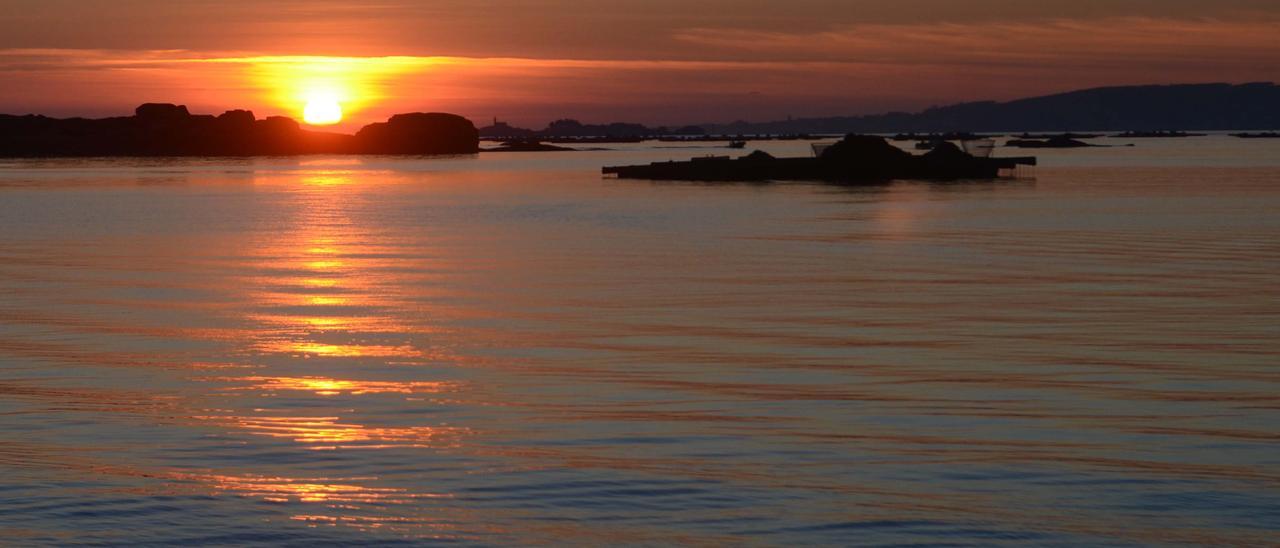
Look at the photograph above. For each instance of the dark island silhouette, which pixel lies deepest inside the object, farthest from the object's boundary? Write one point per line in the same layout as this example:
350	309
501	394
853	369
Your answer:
855	159
162	129
1056	141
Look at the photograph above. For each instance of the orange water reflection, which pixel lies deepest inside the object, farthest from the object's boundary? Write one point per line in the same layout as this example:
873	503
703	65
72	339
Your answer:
326	301
331	387
304	348
331	281
283	489
329	433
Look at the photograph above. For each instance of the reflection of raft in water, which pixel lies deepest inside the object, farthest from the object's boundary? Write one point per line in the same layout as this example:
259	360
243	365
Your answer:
856	158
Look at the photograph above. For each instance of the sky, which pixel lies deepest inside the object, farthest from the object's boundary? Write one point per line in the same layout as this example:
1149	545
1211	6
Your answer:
650	61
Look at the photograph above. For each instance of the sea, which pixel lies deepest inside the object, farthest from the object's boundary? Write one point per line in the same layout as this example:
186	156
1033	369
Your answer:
511	349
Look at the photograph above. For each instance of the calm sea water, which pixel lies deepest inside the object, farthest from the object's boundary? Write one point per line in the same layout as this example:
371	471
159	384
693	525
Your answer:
511	350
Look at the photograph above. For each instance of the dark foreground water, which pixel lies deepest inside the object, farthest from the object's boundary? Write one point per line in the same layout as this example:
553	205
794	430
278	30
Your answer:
511	350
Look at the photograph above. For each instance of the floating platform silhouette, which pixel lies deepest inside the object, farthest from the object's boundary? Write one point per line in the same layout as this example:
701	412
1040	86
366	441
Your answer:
1057	141
857	158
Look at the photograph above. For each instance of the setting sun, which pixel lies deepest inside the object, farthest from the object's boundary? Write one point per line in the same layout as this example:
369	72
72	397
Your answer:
322	112
329	90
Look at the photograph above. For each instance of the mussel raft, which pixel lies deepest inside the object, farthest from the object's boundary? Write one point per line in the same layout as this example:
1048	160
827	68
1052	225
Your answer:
856	158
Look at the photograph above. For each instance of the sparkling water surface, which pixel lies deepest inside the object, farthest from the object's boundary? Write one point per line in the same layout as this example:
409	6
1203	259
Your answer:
510	349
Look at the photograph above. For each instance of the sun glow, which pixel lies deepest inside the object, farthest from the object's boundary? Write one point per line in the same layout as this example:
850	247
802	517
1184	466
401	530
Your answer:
322	111
333	90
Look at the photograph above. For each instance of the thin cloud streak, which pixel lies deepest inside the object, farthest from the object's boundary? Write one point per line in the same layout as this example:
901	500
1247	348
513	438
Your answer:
1104	42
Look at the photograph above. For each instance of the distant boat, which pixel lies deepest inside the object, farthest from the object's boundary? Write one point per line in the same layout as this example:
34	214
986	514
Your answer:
737	144
1266	135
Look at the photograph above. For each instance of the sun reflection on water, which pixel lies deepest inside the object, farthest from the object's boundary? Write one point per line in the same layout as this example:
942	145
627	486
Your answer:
331	433
328	295
328	302
328	387
283	489
308	348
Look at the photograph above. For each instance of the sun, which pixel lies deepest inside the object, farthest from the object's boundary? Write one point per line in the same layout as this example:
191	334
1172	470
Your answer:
322	112
323	91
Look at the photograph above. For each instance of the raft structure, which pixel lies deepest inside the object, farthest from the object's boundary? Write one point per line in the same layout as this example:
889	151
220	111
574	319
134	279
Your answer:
854	159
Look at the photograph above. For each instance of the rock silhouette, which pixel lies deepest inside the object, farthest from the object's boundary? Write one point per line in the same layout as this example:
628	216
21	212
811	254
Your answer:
855	159
420	133
161	129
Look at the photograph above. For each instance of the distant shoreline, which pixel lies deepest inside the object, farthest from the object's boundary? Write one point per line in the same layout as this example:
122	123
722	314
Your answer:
162	129
1201	107
168	130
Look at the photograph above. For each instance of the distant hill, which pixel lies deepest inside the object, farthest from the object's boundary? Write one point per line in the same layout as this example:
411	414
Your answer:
1141	108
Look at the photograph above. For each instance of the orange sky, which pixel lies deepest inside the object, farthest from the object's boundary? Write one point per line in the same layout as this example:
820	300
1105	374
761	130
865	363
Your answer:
653	61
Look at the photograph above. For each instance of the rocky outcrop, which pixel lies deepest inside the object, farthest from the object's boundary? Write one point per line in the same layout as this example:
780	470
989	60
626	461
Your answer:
161	113
420	133
161	129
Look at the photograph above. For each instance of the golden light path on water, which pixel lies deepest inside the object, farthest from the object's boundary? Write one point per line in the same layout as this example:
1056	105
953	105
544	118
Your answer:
509	350
324	266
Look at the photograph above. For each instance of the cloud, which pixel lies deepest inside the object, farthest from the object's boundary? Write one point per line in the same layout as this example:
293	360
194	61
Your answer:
1063	42
725	73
